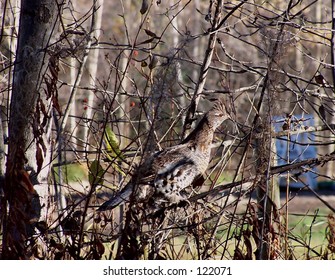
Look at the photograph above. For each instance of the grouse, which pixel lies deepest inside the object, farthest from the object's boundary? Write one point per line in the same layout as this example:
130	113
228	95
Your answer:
163	176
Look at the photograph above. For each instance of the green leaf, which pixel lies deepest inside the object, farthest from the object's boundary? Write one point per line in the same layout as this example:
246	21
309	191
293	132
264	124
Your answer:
113	151
96	173
112	144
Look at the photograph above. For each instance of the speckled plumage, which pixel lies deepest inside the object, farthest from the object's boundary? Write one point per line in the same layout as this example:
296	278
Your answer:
163	176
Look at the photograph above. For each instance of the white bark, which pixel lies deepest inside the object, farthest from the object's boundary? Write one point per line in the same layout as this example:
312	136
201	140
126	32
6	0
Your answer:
93	62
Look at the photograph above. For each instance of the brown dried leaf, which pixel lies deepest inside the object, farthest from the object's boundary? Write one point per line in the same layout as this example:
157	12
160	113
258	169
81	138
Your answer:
144	64
39	158
144	7
238	255
151	34
56	104
99	246
53	67
25	182
247	242
146	41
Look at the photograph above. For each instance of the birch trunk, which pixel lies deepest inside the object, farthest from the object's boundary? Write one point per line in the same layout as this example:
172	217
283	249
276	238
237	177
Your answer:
27	141
92	64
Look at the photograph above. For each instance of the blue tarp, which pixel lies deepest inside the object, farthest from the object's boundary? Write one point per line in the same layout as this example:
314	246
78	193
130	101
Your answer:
298	149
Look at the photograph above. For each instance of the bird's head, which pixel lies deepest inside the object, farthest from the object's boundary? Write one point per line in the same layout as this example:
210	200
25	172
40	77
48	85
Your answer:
218	114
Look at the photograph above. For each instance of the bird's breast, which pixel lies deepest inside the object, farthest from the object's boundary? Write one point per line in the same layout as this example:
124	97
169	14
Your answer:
172	182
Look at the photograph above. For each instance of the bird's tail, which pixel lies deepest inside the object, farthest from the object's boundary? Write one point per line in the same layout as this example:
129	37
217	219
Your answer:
118	198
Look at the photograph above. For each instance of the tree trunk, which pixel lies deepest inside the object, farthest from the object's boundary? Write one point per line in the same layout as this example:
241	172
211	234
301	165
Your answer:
330	165
92	65
27	148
